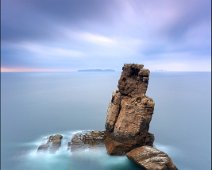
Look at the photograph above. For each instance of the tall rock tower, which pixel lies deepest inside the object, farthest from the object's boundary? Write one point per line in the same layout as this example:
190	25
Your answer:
130	112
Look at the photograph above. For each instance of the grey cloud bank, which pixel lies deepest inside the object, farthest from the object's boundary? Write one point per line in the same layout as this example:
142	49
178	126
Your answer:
79	34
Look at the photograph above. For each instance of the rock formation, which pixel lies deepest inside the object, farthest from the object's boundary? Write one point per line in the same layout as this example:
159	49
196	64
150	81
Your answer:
128	118
151	158
86	140
52	145
127	124
129	112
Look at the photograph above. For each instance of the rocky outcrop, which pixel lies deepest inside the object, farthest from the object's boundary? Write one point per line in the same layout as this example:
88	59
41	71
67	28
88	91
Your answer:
86	140
128	118
151	158
129	112
52	145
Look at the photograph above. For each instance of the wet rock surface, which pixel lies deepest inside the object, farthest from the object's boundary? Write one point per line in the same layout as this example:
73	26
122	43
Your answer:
151	158
86	140
52	145
130	112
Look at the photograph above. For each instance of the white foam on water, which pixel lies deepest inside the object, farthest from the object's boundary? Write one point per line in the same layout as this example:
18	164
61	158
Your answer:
63	156
67	136
33	154
99	156
97	152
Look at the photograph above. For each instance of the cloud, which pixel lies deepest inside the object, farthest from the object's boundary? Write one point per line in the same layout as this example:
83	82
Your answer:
179	61
37	19
91	33
88	37
98	39
48	51
101	45
193	13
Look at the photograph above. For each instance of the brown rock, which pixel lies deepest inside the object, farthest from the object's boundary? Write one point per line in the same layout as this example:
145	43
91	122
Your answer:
55	142
120	146
134	116
151	158
52	145
133	80
113	109
87	140
130	112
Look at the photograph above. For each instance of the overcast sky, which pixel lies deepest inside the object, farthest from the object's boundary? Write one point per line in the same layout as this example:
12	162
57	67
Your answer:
49	35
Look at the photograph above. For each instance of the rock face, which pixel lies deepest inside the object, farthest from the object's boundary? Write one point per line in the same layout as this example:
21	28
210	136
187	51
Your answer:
86	140
129	112
151	158
52	145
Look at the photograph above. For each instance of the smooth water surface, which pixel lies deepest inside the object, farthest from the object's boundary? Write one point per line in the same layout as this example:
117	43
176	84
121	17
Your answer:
35	105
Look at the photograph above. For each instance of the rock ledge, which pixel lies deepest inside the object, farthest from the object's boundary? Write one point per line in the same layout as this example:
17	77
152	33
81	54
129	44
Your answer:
151	158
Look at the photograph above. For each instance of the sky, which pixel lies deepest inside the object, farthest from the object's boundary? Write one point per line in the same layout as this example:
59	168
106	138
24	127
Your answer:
67	35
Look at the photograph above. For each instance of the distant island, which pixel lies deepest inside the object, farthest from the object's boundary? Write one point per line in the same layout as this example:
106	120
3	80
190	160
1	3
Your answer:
96	70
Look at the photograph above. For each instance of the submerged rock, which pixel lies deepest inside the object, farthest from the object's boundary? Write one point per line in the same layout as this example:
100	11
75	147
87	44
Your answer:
130	112
43	147
53	143
86	140
151	158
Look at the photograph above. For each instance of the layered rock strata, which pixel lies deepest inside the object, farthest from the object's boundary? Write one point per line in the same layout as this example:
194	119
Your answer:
130	112
151	158
52	145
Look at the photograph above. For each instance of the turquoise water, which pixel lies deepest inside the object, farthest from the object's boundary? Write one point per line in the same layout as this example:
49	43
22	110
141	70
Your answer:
35	105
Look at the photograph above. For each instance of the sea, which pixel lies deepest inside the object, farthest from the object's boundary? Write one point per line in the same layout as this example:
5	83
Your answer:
36	105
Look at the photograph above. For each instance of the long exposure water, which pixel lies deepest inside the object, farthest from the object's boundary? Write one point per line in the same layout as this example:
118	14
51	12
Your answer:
35	105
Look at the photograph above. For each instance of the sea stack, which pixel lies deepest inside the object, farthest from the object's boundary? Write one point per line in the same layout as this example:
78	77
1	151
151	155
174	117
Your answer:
130	112
128	118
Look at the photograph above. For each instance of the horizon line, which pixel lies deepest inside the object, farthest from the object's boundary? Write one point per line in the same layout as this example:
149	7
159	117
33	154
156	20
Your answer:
47	70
